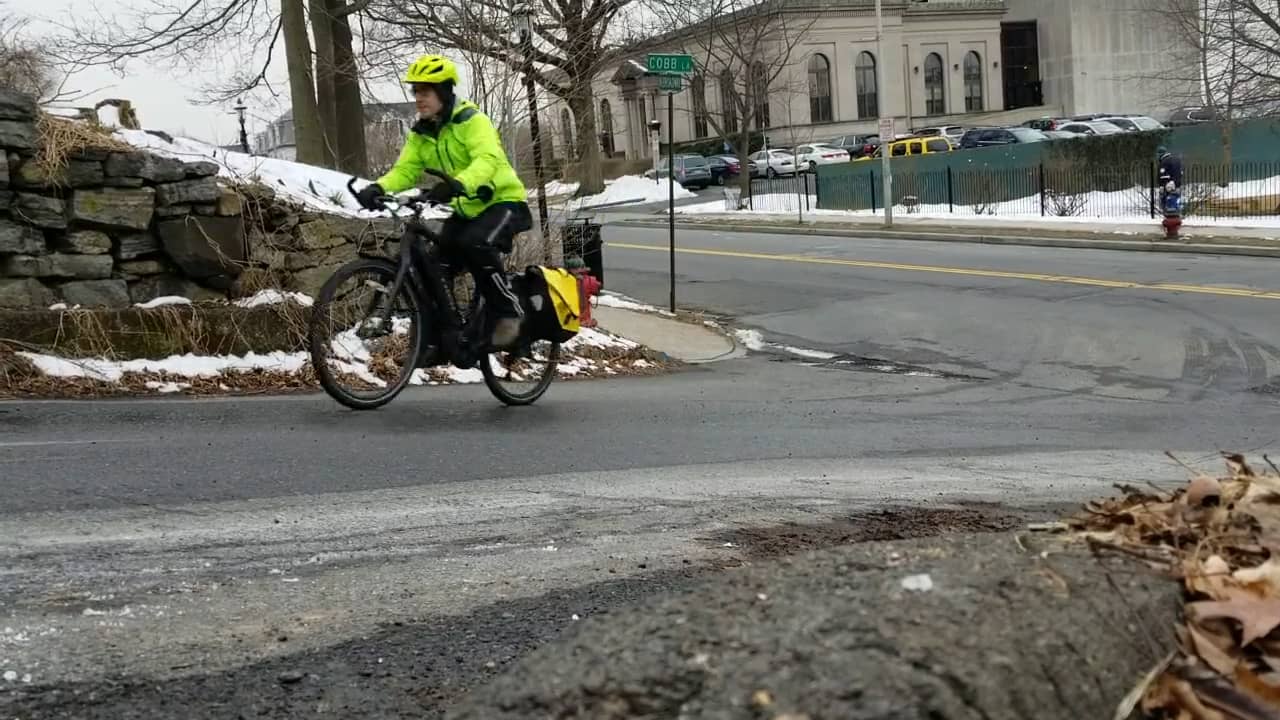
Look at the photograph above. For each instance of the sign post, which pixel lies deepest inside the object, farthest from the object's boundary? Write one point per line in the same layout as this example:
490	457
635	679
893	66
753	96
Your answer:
670	70
886	123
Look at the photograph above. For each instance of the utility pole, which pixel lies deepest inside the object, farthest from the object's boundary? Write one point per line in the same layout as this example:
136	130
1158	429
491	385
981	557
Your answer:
244	136
885	128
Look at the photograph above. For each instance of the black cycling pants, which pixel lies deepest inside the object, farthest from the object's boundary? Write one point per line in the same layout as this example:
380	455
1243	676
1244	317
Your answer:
478	244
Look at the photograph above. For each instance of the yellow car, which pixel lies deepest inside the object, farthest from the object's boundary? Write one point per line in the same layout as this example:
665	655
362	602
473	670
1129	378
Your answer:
912	146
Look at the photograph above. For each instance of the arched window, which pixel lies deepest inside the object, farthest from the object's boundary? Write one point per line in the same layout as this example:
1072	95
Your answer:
566	131
698	89
935	99
760	94
728	103
972	82
864	74
819	89
606	128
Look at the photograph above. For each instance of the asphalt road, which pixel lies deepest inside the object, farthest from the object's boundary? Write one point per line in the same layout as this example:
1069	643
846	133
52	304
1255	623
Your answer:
1101	323
281	557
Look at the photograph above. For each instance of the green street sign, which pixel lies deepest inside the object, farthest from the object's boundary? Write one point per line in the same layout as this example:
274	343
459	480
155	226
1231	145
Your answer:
670	83
670	64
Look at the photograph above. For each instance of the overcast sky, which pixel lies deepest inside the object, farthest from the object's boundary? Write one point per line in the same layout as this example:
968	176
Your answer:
166	98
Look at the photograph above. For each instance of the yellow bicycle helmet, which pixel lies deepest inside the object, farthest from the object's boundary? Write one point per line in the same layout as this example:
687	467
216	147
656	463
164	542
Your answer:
434	69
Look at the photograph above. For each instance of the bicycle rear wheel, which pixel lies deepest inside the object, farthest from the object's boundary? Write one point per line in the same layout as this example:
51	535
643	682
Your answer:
364	355
520	378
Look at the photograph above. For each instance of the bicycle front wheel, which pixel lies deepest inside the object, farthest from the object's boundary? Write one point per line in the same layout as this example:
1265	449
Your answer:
364	343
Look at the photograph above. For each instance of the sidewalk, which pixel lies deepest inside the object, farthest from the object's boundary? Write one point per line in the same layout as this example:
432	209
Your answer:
683	341
1220	239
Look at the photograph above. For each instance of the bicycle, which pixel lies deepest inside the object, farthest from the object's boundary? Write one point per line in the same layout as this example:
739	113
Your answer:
431	326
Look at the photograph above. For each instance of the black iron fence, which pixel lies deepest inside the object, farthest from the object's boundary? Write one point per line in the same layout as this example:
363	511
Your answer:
795	193
1057	190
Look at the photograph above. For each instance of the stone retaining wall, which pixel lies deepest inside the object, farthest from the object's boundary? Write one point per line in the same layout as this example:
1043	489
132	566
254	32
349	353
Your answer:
119	226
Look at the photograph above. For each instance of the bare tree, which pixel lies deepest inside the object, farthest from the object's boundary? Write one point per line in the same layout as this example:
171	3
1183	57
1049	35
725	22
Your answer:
1226	52
574	41
194	35
746	47
24	64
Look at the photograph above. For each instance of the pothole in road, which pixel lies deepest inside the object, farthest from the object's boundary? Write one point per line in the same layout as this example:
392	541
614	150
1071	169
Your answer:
858	363
890	523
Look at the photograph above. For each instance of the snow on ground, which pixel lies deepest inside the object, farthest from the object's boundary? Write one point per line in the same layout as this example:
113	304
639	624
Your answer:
753	340
1125	207
628	189
555	188
190	366
154	303
274	297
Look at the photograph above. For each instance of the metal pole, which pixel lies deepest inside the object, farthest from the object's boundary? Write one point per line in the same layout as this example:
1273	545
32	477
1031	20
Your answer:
536	134
244	135
671	192
885	143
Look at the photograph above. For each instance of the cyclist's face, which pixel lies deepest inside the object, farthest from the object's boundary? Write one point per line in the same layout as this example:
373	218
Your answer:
427	100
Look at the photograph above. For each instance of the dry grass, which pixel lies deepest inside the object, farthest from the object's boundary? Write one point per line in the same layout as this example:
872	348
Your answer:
61	139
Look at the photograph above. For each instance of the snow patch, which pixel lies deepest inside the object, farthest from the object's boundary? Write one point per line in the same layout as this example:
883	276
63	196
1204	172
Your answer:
630	189
162	301
752	339
167	387
181	365
275	297
917	583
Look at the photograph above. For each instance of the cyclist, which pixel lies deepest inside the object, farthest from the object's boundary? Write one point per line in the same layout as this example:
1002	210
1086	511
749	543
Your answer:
453	137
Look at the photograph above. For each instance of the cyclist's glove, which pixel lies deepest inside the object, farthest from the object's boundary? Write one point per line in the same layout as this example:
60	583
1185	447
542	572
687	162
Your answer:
368	196
444	191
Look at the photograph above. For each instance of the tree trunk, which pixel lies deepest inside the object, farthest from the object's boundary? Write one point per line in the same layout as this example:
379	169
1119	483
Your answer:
353	153
302	91
322	32
582	104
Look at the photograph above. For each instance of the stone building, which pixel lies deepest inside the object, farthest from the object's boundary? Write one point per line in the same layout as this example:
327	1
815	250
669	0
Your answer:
948	62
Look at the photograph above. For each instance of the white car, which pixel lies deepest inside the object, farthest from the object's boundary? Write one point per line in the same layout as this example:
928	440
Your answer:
811	156
1134	123
772	163
1089	127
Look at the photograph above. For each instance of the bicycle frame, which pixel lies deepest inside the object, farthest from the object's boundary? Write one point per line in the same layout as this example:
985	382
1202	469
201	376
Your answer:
428	279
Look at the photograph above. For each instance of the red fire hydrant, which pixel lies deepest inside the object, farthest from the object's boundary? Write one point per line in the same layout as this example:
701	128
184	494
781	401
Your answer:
588	287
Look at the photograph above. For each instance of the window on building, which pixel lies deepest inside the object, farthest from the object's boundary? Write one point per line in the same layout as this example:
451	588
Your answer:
760	95
606	128
972	82
864	74
819	89
698	89
728	103
566	132
935	99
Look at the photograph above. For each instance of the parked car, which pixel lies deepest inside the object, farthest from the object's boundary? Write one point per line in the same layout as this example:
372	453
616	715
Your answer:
772	163
811	156
1044	123
1191	116
1090	127
857	145
913	146
988	137
1134	123
692	171
1059	135
724	168
952	132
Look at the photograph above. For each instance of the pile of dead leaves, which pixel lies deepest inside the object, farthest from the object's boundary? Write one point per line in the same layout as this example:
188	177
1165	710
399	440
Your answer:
1220	537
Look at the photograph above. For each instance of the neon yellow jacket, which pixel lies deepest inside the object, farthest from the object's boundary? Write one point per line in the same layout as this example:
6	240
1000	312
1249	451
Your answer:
468	149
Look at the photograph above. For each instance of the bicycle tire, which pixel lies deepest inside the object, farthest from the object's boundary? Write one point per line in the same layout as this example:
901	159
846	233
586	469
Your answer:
318	340
507	397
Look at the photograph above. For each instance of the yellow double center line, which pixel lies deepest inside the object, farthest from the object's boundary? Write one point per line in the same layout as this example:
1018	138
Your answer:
971	272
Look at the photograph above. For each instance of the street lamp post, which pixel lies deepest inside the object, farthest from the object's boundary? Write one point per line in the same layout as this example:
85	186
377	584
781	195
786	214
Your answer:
524	27
244	136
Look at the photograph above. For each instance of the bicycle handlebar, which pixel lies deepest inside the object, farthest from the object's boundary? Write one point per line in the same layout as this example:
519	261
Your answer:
416	201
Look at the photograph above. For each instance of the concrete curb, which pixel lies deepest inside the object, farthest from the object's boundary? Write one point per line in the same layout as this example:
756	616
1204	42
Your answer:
1078	243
